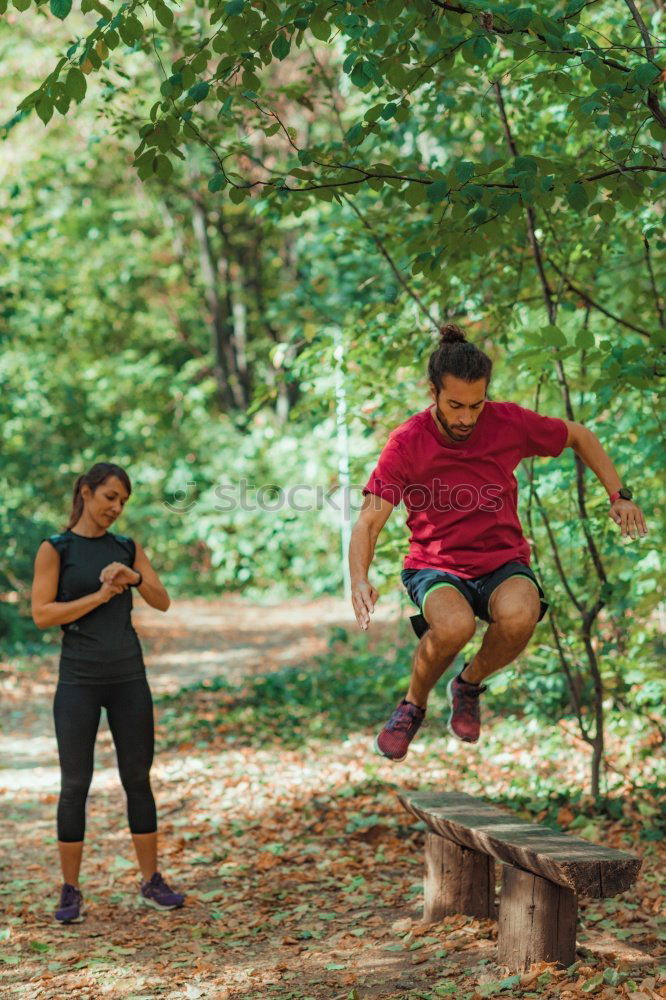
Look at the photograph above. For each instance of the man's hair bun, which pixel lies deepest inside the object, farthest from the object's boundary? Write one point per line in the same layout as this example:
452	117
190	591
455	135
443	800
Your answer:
451	334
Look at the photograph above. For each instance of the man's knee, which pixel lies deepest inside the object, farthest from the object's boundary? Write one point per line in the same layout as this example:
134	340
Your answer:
449	616
518	616
457	628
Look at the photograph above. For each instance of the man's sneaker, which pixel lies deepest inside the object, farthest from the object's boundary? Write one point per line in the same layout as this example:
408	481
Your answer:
465	718
394	739
158	894
71	909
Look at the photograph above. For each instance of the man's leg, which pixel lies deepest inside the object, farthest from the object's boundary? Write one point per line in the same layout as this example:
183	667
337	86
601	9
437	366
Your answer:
514	608
452	625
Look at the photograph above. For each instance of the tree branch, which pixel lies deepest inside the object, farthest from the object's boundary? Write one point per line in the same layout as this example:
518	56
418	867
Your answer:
394	267
596	305
655	290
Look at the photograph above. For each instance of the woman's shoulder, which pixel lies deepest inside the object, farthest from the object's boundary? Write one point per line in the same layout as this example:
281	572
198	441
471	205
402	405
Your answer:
59	541
126	543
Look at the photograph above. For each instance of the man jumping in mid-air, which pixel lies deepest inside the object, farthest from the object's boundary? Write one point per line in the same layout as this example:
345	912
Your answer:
452	464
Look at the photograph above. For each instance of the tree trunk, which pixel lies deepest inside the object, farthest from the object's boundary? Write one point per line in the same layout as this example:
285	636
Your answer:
230	394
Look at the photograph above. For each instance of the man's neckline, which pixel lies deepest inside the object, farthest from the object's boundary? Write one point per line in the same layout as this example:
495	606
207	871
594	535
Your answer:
443	439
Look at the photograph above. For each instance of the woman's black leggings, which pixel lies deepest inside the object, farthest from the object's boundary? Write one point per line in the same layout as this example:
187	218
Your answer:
129	709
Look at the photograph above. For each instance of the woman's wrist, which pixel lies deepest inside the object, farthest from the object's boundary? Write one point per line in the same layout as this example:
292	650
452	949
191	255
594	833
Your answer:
139	580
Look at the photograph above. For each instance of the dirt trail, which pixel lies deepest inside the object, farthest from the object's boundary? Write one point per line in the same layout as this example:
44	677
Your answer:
303	876
195	640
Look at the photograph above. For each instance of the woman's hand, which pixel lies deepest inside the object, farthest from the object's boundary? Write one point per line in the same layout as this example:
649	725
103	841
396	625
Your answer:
109	590
118	573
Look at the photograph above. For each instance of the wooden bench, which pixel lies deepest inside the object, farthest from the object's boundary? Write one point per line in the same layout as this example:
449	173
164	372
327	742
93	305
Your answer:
544	874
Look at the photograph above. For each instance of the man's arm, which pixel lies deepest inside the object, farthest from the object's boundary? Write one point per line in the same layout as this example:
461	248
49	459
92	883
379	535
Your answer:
374	514
587	445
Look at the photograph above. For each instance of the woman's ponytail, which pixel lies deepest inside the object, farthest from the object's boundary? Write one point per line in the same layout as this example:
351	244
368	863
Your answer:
77	502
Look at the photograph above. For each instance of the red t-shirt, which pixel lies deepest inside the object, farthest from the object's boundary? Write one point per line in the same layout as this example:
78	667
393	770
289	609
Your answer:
462	497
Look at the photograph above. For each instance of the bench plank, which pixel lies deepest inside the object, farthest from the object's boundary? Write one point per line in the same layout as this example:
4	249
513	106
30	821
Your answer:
586	869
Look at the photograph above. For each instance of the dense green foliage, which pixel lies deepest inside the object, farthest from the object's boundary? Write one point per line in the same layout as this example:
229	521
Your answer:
310	172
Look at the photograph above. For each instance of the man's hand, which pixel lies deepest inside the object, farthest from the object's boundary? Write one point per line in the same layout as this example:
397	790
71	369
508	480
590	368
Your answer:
630	517
118	573
364	598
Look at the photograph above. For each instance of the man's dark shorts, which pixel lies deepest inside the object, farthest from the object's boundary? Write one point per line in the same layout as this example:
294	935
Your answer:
477	592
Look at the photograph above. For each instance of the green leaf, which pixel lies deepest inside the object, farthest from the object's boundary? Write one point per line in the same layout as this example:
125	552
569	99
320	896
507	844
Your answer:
164	15
591	984
415	194
199	91
40	946
217	182
464	170
645	74
237	195
44	108
553	335
163	167
10	959
320	29
358	76
235	7
75	84
520	18
606	211
281	47
355	135
21	4
577	196
61	8
437	191
120	863
584	338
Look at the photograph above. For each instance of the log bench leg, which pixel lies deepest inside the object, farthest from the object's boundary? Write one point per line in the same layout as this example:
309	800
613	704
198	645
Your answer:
456	880
537	921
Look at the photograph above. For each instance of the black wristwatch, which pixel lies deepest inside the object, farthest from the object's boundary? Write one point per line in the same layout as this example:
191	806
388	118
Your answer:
139	581
624	493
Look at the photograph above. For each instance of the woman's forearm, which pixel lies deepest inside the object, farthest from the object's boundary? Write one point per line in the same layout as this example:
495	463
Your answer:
155	595
64	612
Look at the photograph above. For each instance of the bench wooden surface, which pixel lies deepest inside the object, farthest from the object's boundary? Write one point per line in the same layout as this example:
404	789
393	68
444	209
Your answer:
587	869
543	874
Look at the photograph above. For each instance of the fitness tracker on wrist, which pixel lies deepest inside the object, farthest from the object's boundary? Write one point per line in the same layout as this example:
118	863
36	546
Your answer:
624	493
139	581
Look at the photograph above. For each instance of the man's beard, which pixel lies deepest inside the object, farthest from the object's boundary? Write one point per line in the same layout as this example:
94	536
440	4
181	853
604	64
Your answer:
457	435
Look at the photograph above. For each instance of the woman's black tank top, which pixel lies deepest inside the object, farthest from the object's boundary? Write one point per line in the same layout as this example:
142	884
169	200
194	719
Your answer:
101	646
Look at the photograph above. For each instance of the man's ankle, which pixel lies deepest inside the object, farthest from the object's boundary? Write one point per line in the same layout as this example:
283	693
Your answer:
465	673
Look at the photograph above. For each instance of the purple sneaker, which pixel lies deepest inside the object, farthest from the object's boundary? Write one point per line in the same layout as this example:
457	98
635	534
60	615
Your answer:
158	894
394	739
465	716
71	908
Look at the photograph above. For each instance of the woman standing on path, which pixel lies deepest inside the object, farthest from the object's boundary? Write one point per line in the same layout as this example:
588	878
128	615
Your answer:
82	581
